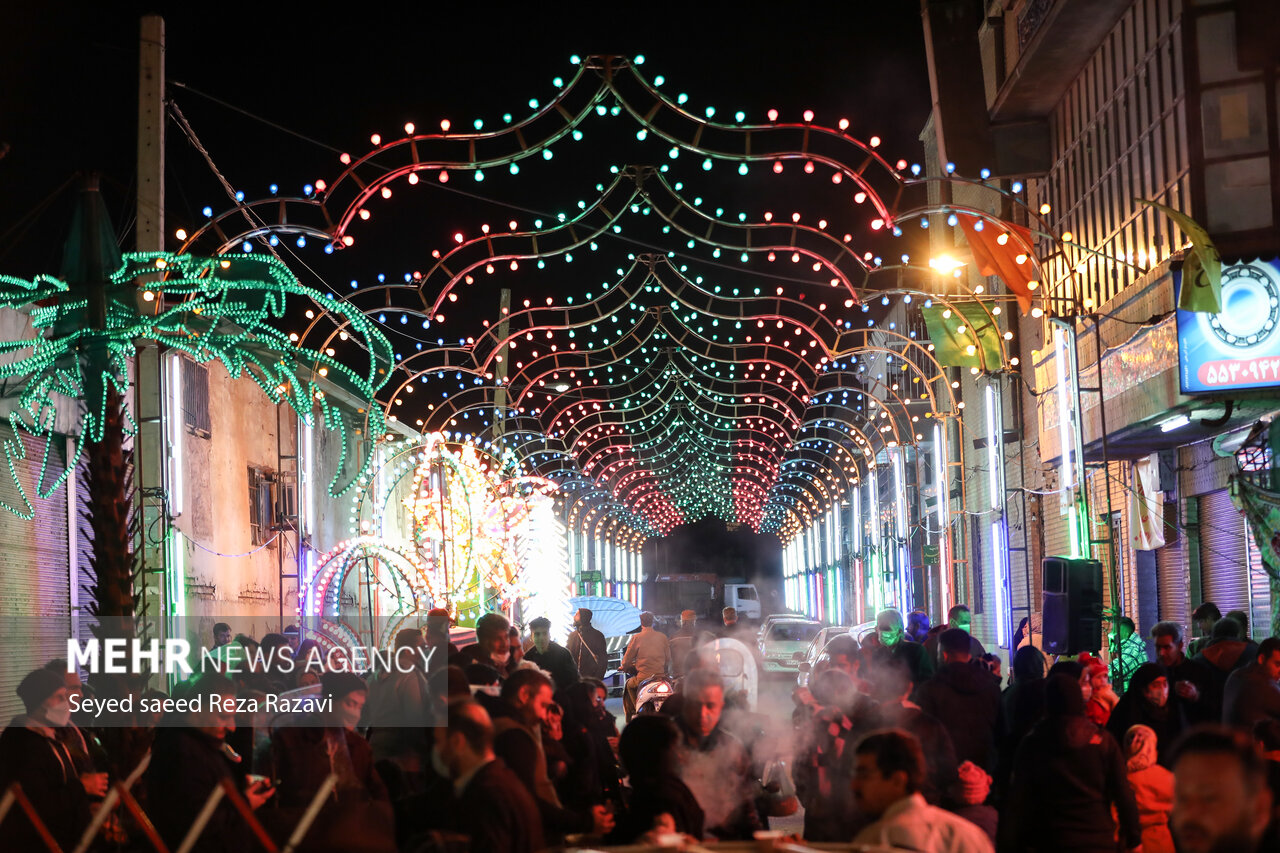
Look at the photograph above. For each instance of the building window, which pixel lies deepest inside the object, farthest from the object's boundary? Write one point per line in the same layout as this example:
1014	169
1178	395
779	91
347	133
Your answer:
195	397
261	505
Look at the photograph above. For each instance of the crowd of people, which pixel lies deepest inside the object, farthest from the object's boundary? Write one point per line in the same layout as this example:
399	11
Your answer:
911	738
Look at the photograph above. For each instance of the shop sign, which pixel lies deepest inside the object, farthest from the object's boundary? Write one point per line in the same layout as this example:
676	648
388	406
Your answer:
1238	349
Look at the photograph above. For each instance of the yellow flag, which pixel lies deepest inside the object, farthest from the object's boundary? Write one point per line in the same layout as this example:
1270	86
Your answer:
1202	267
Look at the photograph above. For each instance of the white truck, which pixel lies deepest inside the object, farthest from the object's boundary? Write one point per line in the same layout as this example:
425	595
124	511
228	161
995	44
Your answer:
705	594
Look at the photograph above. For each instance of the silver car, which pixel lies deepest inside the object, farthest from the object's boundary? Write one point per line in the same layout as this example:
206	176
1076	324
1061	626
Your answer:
783	639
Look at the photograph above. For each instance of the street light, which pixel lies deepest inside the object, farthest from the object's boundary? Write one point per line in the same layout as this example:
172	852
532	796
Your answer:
945	264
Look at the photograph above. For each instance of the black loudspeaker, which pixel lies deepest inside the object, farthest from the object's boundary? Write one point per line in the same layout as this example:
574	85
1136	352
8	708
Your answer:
1072	606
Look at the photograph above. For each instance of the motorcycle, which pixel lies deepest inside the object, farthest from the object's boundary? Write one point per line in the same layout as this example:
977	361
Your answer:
653	693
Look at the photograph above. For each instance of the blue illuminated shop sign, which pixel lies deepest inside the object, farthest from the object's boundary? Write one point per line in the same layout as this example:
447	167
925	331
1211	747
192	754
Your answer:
1238	349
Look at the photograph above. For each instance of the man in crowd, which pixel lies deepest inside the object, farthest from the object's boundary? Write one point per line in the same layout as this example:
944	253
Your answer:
526	694
492	646
965	698
437	637
893	645
221	635
587	646
1191	681
32	755
684	641
1226	652
489	803
888	770
189	760
957	617
399	706
717	767
1252	693
1220	798
1131	654
891	686
550	655
1202	621
732	629
648	654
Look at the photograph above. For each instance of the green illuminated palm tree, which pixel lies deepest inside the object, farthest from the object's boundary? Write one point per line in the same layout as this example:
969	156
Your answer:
87	324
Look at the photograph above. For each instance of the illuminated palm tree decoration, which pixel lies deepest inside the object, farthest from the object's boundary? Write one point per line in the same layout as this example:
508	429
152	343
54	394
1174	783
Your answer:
226	309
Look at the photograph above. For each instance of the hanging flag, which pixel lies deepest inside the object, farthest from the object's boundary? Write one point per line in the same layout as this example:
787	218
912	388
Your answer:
1146	505
1201	267
996	250
978	345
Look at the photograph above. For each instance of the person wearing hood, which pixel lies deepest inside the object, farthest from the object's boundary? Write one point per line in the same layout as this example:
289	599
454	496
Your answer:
31	755
1067	776
1023	704
1147	703
1227	651
1102	696
966	700
1152	789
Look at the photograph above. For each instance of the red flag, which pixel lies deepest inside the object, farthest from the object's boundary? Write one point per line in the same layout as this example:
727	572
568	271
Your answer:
994	257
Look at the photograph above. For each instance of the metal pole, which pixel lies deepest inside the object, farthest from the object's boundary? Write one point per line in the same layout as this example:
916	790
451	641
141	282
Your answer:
149	442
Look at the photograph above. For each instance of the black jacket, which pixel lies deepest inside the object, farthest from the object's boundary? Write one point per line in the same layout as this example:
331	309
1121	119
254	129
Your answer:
965	698
652	797
186	765
590	653
1067	775
1250	696
1168	722
48	777
1207	708
935	743
557	661
912	654
497	812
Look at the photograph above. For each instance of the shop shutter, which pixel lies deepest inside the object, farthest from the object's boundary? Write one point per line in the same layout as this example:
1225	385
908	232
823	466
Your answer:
1171	569
1259	591
35	604
1224	578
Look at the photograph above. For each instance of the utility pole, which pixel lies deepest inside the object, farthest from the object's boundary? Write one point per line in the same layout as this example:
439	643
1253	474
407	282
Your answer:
162	592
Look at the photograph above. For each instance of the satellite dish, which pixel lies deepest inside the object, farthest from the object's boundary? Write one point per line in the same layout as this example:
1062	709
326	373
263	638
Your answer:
612	617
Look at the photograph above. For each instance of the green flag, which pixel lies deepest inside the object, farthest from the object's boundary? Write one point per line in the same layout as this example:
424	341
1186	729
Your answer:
964	334
1201	267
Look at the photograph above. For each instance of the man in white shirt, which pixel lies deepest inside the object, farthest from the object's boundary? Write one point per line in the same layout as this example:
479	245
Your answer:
887	775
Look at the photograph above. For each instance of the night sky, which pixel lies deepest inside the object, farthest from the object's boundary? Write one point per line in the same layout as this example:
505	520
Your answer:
68	103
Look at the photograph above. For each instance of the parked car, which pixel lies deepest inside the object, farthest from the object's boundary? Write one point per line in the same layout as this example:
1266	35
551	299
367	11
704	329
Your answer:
774	617
784	643
816	648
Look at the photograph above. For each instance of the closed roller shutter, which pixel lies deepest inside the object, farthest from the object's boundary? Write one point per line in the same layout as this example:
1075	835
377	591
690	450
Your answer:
35	604
1259	591
1224	580
1171	568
